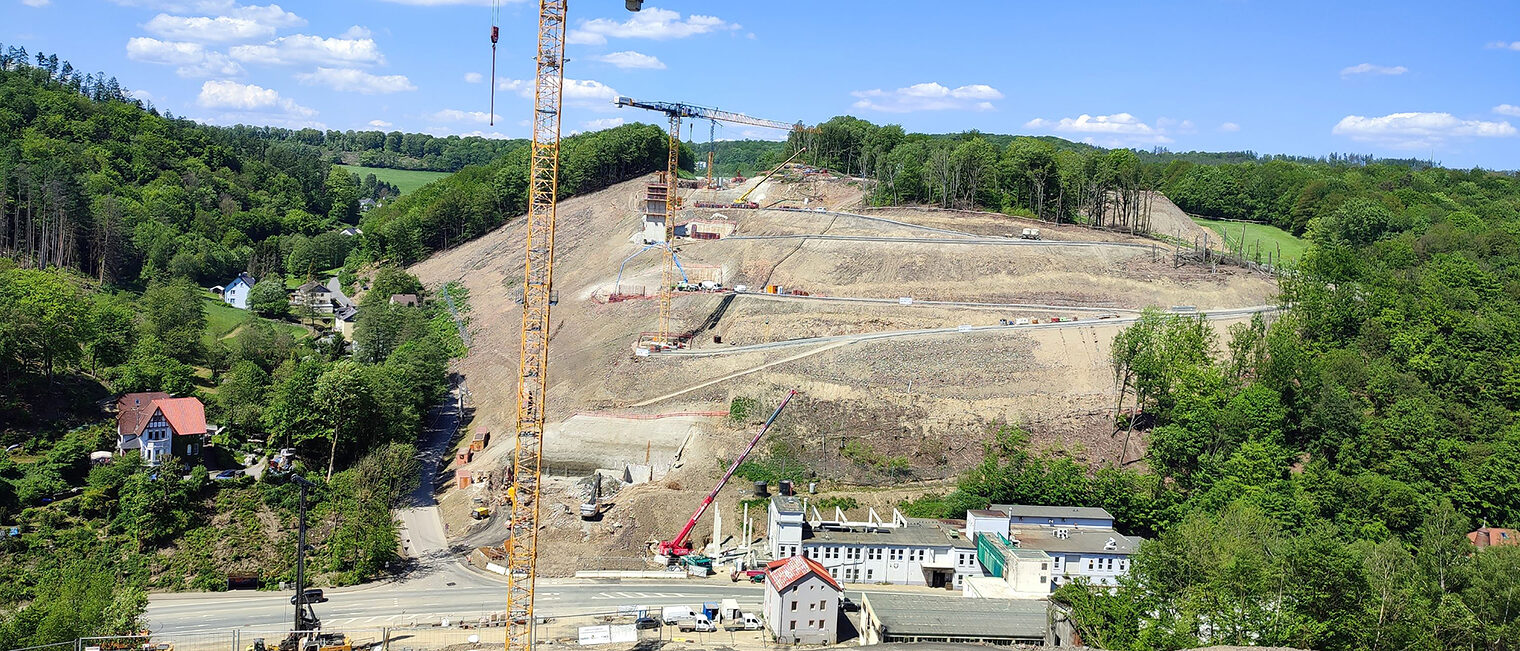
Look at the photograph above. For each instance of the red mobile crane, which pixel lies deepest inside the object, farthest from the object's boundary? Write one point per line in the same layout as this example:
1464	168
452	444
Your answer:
680	546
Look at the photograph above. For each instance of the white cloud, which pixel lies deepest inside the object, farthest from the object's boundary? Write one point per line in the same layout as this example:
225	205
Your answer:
456	115
142	95
350	80
1502	45
248	97
1370	69
237	24
379	123
1175	126
191	59
1229	127
1418	130
587	93
603	123
631	59
1117	130
473	77
302	48
651	23
1507	109
36	3
930	96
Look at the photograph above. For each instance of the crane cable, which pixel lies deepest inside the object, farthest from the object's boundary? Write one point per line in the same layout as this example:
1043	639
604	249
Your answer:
495	34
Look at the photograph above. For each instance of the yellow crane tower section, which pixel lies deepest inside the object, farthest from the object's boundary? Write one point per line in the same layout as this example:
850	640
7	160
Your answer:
675	111
533	365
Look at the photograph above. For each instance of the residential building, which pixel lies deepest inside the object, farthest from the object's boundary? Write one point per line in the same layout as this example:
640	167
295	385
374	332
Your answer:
158	426
313	296
801	604
235	293
1080	542
343	321
409	300
902	551
887	617
1493	537
335	292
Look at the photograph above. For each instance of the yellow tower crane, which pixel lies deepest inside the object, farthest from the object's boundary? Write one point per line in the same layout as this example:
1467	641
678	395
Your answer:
675	111
538	276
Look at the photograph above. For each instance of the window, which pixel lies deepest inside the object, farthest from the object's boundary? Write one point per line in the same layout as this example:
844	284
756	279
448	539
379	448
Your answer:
1042	578
793	626
811	606
1089	564
823	605
874	553
868	573
897	554
794	606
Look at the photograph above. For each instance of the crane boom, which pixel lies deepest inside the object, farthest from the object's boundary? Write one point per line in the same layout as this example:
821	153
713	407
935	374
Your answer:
675	111
679	546
533	364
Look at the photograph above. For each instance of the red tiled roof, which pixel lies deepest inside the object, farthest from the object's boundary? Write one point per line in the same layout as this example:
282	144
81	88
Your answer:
1492	537
186	416
134	410
782	574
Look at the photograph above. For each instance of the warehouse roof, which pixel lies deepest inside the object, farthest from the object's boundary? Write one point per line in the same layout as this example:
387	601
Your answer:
1027	511
919	532
903	614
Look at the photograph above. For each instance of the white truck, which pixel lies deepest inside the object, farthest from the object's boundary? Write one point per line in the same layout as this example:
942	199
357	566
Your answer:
677	614
744	622
698	624
1030	234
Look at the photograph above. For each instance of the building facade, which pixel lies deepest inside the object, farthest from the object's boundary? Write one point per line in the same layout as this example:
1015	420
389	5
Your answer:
1072	543
801	604
900	551
158	426
236	292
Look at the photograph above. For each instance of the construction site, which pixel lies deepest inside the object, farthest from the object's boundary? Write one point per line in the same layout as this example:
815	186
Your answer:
911	334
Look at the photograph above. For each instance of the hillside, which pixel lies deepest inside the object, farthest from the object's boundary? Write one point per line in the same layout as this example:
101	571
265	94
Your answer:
931	400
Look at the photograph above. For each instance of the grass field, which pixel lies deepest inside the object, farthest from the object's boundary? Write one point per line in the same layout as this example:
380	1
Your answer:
1269	237
406	180
223	319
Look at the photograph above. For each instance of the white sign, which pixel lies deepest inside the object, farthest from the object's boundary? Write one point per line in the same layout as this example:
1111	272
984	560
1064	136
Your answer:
623	633
641	352
905	300
963	328
595	635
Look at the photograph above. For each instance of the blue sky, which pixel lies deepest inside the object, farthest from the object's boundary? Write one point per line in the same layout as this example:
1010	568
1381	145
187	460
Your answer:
1401	79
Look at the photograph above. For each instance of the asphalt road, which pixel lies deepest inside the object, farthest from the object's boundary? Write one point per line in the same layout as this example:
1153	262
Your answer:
989	241
466	597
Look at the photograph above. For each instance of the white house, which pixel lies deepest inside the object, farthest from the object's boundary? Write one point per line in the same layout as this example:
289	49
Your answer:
902	551
314	296
236	292
1072	542
158	426
801	604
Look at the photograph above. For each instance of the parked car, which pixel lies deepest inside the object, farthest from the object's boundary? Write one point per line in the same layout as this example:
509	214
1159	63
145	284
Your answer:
232	473
848	606
646	624
313	596
698	624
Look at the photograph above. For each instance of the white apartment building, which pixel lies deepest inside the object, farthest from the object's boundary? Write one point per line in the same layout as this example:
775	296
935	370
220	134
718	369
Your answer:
1076	542
901	551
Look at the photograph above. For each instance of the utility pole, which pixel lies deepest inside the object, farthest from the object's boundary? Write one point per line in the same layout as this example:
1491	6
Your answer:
300	623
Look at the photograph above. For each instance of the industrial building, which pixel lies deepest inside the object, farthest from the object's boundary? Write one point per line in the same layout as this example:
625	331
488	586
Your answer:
900	551
1036	549
892	617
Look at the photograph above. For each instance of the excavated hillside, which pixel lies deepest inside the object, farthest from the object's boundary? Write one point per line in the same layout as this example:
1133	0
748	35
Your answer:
929	399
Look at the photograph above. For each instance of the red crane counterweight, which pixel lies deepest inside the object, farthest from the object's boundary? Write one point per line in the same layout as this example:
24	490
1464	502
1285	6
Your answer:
680	546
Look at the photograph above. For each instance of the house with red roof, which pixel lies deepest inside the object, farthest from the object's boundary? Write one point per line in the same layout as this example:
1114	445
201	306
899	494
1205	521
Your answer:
158	426
1493	537
801	603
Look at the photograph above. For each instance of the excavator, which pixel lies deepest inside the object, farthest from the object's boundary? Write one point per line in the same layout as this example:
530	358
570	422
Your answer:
743	200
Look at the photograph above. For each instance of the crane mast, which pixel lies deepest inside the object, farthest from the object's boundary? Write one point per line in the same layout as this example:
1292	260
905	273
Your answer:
533	365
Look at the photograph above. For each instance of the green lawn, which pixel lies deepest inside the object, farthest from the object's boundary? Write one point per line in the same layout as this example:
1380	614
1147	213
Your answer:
1269	238
406	180
223	319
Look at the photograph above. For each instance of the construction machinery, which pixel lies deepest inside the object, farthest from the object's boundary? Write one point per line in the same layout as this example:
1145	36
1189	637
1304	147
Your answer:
592	507
674	111
533	362
743	200
675	548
